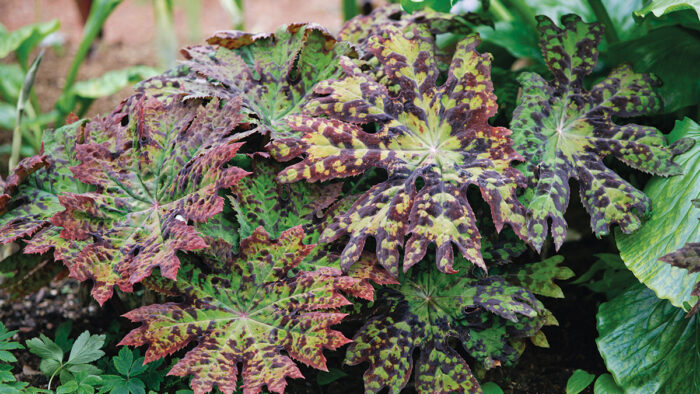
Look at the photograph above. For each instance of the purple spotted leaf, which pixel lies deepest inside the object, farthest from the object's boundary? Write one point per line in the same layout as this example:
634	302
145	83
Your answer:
358	29
439	134
249	312
273	74
565	131
436	314
30	198
156	178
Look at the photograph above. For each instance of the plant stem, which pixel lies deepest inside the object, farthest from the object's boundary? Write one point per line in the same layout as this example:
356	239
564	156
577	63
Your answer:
23	95
603	17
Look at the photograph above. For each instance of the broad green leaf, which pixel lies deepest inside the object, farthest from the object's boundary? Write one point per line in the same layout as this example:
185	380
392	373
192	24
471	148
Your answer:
649	345
86	348
246	312
578	381
439	134
273	74
672	224
608	276
433	313
10	83
565	132
112	82
437	5
662	7
24	39
491	388
671	54
688	257
7	116
51	354
157	176
605	384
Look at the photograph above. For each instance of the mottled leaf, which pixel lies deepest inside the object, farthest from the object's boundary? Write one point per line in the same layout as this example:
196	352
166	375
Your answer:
30	198
438	134
648	345
539	277
565	131
381	20
156	177
259	200
673	224
432	312
671	54
273	74
247	312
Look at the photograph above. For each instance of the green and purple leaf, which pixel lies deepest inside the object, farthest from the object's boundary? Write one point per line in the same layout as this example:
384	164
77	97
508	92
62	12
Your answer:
673	224
432	312
439	134
156	177
273	74
259	200
249	311
381	20
565	131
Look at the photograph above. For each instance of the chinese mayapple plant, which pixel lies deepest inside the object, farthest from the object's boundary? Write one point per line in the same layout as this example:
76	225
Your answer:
272	185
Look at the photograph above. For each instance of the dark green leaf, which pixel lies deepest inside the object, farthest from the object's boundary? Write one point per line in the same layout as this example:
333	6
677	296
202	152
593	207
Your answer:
649	345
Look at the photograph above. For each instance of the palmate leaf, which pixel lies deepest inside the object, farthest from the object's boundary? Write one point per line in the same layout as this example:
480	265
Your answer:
672	224
30	194
358	29
539	277
247	312
431	311
565	132
435	133
159	175
259	200
273	74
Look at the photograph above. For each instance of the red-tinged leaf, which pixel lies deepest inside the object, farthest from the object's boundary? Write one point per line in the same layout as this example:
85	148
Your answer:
439	134
273	74
30	198
156	177
259	200
247	312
